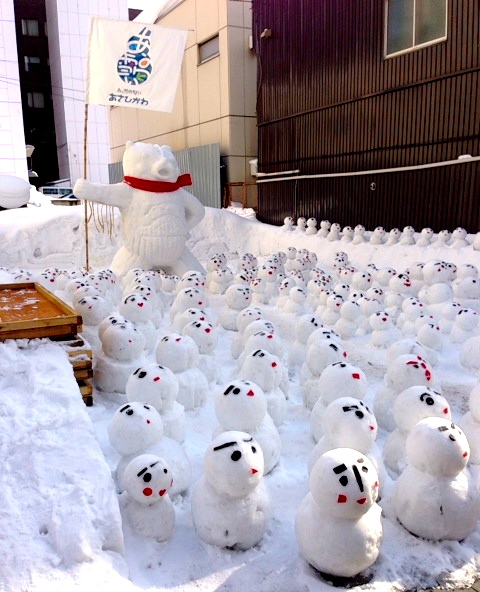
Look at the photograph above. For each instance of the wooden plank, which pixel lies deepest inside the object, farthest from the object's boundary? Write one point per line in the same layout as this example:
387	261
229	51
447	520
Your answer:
83	374
28	310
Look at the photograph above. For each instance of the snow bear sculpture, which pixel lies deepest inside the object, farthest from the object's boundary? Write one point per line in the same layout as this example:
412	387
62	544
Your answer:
157	213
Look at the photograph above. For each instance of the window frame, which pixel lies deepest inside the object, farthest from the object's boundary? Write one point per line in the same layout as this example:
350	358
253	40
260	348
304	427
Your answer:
414	47
31	100
26	30
211	56
27	62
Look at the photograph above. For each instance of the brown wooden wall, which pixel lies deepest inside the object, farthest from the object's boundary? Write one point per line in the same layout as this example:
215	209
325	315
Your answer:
328	101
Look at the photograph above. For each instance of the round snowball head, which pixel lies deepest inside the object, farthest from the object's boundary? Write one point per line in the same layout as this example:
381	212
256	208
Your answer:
177	351
349	423
344	483
204	334
136	308
341	379
416	403
147	479
438	447
234	464
113	319
240	405
247	316
134	427
123	341
153	384
408	370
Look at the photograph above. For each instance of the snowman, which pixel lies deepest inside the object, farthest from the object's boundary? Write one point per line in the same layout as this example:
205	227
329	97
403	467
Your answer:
358	234
411	405
425	238
470	424
188	298
378	236
241	405
324	229
465	325
295	302
187	316
136	428
154	297
435	497
301	224
341	505
468	353
205	336
158	386
236	298
138	310
230	505
347	234
267	339
403	372
412	308
443	239
334	234
467	291
219	280
266	370
348	423
346	326
259	291
408	236
394	236
304	327
92	309
459	238
245	317
145	504
122	352
383	329
311	226
180	353
331	312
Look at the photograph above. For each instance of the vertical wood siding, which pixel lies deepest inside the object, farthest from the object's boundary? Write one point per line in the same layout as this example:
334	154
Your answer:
328	101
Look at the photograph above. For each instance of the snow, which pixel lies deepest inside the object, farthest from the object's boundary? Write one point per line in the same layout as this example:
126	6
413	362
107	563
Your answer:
59	512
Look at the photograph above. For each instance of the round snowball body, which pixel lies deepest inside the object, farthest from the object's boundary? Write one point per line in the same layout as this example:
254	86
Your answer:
416	403
341	378
438	447
233	464
147	479
153	384
240	405
14	191
134	427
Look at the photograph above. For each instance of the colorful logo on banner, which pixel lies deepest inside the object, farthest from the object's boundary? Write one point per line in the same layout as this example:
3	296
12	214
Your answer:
135	65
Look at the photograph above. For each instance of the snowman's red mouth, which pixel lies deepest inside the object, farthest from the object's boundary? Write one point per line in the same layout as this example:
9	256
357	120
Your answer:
362	500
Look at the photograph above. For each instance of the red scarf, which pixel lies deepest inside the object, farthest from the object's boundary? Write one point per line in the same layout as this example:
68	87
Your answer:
158	186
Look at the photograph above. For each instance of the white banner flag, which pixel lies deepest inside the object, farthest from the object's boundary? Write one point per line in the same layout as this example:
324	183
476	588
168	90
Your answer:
133	64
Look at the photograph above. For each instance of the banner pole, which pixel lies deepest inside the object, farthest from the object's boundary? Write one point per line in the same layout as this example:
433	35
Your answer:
85	167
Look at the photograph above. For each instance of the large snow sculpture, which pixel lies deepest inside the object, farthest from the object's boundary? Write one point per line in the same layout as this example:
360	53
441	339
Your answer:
157	213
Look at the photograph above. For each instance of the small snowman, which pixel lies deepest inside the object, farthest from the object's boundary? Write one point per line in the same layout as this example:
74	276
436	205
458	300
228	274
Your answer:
92	309
394	236
459	238
435	497
188	298
470	424
384	332
425	238
157	386
145	503
136	428
122	352
219	280
346	326
378	236
138	310
301	224
236	298
241	405
443	239
465	325
187	316
205	336
230	505
259	291
324	229
349	423
288	224
311	226
295	302
403	372
408	236
334	234
304	327
347	234
180	353
359	235
411	405
342	506
245	317
266	370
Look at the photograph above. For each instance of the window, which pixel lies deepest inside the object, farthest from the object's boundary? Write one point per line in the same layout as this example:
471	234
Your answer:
412	24
30	27
32	63
36	100
208	49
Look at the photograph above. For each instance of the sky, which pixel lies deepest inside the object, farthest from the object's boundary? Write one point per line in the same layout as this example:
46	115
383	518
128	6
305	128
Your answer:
62	525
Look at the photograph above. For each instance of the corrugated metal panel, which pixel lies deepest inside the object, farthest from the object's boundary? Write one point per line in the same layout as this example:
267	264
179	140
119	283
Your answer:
202	162
329	102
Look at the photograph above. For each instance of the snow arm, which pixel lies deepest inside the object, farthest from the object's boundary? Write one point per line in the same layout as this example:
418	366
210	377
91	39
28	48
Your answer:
194	210
110	195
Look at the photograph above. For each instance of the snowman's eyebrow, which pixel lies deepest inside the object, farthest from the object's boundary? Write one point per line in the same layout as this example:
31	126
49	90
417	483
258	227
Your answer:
358	477
339	469
226	445
143	470
249	440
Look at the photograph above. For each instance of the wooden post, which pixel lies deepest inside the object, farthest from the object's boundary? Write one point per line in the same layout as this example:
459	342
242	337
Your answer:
85	167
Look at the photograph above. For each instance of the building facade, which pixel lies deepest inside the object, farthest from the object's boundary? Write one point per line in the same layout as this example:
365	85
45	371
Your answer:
215	102
350	91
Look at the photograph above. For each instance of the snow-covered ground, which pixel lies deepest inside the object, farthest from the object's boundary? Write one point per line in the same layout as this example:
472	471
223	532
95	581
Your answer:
59	514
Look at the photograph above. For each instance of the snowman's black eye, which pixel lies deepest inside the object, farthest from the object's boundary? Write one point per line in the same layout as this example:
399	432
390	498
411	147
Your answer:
237	455
344	480
359	414
146	407
254	450
130	412
165	471
452	438
147	477
142	374
236	391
